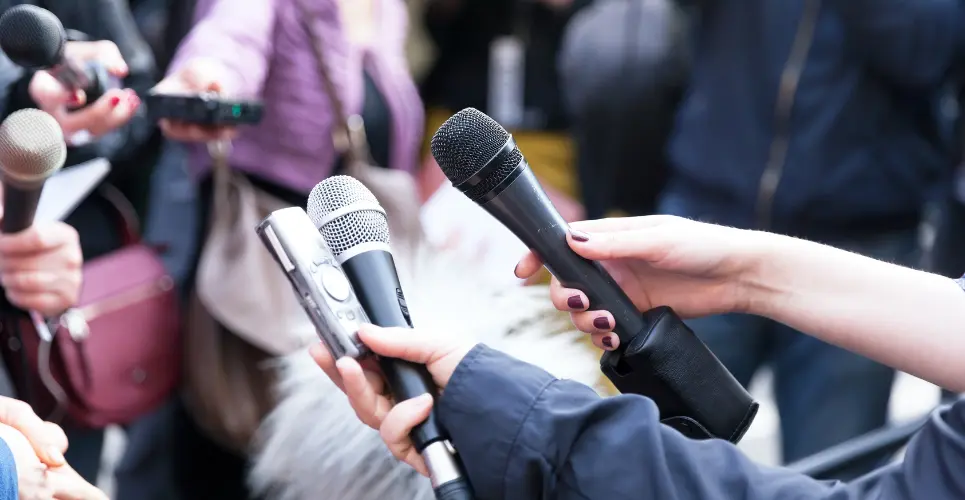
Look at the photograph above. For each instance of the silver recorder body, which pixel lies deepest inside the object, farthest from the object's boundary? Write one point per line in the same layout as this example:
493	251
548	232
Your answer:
317	278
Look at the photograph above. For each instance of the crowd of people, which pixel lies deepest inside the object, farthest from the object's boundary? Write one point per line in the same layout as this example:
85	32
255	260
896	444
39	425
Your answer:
834	124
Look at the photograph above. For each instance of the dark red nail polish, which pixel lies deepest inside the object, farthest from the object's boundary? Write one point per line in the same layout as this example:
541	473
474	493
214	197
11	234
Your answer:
607	342
575	302
579	235
602	323
115	101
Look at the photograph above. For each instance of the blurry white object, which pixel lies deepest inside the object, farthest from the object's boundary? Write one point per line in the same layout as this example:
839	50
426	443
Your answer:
67	188
313	443
455	222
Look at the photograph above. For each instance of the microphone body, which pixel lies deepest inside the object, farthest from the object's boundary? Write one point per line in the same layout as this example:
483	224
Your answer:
375	280
659	356
19	206
356	229
32	149
521	205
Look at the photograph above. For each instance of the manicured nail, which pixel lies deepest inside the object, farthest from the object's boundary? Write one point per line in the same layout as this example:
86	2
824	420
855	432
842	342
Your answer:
516	270
607	342
133	101
425	399
575	302
579	235
115	101
602	323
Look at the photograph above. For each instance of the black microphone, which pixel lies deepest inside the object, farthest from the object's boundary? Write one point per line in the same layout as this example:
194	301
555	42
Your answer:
34	38
32	149
658	357
356	230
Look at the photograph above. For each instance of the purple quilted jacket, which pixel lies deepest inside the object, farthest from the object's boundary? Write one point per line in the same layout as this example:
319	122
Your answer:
270	56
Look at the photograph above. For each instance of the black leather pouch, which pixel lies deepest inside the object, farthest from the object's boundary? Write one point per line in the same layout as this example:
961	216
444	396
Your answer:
696	395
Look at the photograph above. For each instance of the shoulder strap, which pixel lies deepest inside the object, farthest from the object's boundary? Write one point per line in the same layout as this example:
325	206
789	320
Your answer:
348	134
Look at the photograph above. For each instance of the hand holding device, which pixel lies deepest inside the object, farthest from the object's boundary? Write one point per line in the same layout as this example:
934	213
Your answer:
366	390
658	355
34	38
356	229
196	77
697	269
205	109
41	265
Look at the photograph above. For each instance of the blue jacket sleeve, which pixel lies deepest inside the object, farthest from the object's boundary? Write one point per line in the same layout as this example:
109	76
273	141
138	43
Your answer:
8	473
523	434
915	43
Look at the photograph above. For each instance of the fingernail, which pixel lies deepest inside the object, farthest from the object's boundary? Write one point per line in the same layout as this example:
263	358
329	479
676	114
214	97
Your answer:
602	323
607	341
425	399
115	101
575	302
54	454
579	235
133	101
516	270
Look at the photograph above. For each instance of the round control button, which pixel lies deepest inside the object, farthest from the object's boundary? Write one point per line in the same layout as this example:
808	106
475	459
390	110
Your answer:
335	283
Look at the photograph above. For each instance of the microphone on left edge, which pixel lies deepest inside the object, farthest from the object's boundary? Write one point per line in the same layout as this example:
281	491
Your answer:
32	149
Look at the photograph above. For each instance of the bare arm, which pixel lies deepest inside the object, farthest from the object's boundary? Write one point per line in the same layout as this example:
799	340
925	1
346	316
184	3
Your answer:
908	319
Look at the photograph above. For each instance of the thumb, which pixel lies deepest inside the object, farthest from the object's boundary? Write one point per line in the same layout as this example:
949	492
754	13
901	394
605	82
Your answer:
646	244
406	344
47	439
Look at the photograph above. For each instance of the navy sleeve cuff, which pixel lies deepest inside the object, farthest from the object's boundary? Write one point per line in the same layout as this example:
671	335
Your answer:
483	409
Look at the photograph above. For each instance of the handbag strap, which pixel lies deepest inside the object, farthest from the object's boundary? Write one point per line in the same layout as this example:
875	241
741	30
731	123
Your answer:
130	225
348	134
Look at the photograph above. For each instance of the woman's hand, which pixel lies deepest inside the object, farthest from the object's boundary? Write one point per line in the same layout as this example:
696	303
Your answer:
39	481
198	76
67	484
110	111
40	268
697	269
367	391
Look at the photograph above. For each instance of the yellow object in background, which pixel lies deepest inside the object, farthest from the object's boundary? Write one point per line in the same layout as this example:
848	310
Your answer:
551	155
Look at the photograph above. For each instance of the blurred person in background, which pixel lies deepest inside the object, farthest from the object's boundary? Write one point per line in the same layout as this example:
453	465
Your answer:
623	70
818	120
262	51
117	130
500	56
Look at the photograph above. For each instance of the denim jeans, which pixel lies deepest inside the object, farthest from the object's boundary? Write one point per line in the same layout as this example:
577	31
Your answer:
825	395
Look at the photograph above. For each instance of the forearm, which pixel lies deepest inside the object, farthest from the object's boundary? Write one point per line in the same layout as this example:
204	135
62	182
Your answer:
908	319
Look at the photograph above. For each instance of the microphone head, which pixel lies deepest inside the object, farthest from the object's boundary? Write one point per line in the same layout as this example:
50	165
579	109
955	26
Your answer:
32	147
32	37
466	143
347	214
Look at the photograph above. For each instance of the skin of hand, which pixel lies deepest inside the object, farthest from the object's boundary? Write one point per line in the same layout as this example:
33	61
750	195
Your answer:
41	267
112	110
367	391
37	481
697	269
198	76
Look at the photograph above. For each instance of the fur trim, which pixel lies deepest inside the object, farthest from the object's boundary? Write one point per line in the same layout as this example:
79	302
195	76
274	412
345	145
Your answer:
313	446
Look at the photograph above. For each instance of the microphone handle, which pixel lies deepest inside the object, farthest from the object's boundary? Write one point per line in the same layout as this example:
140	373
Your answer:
376	283
91	77
19	208
523	207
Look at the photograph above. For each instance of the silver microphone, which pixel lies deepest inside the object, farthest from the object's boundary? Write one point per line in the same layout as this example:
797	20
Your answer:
317	279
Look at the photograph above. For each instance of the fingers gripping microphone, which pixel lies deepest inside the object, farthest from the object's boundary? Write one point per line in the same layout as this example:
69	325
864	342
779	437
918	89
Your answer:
356	229
658	357
31	150
34	38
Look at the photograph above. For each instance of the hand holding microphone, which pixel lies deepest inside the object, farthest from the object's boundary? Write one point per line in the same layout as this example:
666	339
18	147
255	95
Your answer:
40	266
369	396
73	81
698	269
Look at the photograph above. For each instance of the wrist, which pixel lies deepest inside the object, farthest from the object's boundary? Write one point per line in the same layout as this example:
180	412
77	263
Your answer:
761	278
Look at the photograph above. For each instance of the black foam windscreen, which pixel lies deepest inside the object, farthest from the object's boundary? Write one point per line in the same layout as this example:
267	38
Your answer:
32	37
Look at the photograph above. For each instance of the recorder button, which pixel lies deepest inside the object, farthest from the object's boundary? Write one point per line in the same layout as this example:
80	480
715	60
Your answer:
335	283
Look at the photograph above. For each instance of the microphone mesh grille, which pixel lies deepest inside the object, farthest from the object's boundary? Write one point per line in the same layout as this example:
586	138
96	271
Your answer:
31	146
353	228
32	37
466	142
